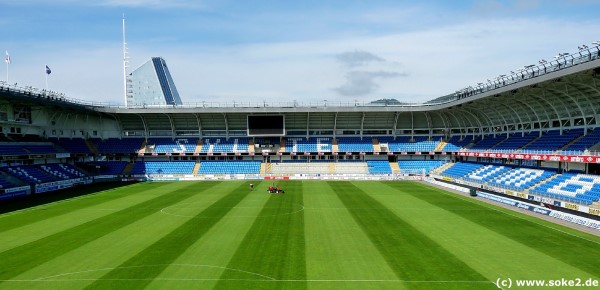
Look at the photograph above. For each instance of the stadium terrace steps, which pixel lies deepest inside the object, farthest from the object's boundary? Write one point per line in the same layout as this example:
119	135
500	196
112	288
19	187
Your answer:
143	148
457	143
334	145
7	181
395	167
514	142
589	141
251	146
569	144
91	146
263	168
529	143
331	169
282	145
128	168
442	168
196	168
376	147
553	140
198	146
440	146
488	142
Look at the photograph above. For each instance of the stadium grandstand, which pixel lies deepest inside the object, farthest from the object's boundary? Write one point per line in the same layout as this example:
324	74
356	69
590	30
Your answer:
534	134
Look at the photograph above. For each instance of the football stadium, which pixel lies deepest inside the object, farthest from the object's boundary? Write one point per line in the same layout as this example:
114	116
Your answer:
491	182
494	186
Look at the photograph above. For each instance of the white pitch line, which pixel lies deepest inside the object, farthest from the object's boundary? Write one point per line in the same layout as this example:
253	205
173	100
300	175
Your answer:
157	265
372	208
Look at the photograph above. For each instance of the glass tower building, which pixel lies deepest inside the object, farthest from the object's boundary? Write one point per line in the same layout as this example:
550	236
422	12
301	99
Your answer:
152	84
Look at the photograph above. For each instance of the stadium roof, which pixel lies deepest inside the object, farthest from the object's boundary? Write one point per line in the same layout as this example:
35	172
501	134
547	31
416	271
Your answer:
559	94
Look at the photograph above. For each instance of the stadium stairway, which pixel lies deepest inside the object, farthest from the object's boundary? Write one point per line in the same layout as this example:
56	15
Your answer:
595	147
282	145
395	167
568	144
264	168
12	179
440	146
250	146
525	146
128	168
331	168
90	144
198	146
376	147
145	148
334	145
196	168
442	168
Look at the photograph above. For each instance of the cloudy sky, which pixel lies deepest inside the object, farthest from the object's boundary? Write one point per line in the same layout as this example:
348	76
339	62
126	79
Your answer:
308	50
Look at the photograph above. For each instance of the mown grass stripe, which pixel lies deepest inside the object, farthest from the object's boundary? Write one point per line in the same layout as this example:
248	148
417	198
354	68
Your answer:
274	246
20	259
152	260
412	255
579	253
33	210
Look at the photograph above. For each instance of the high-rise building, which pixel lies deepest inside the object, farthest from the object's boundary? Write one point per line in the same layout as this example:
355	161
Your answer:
152	84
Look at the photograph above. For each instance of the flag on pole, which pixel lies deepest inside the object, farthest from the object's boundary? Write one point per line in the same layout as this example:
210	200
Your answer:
7	58
48	71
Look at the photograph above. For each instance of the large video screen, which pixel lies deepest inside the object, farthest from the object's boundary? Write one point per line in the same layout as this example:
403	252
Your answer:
269	125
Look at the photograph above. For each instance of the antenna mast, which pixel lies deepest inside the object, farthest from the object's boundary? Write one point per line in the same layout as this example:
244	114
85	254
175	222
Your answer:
125	62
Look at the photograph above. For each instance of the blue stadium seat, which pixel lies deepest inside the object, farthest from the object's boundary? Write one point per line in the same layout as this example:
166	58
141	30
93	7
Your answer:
379	167
163	167
229	167
419	166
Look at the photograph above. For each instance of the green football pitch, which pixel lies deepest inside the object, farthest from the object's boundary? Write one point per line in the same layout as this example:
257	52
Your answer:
318	235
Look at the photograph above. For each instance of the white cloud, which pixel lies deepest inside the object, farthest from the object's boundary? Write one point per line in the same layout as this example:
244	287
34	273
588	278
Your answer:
363	83
357	58
435	62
